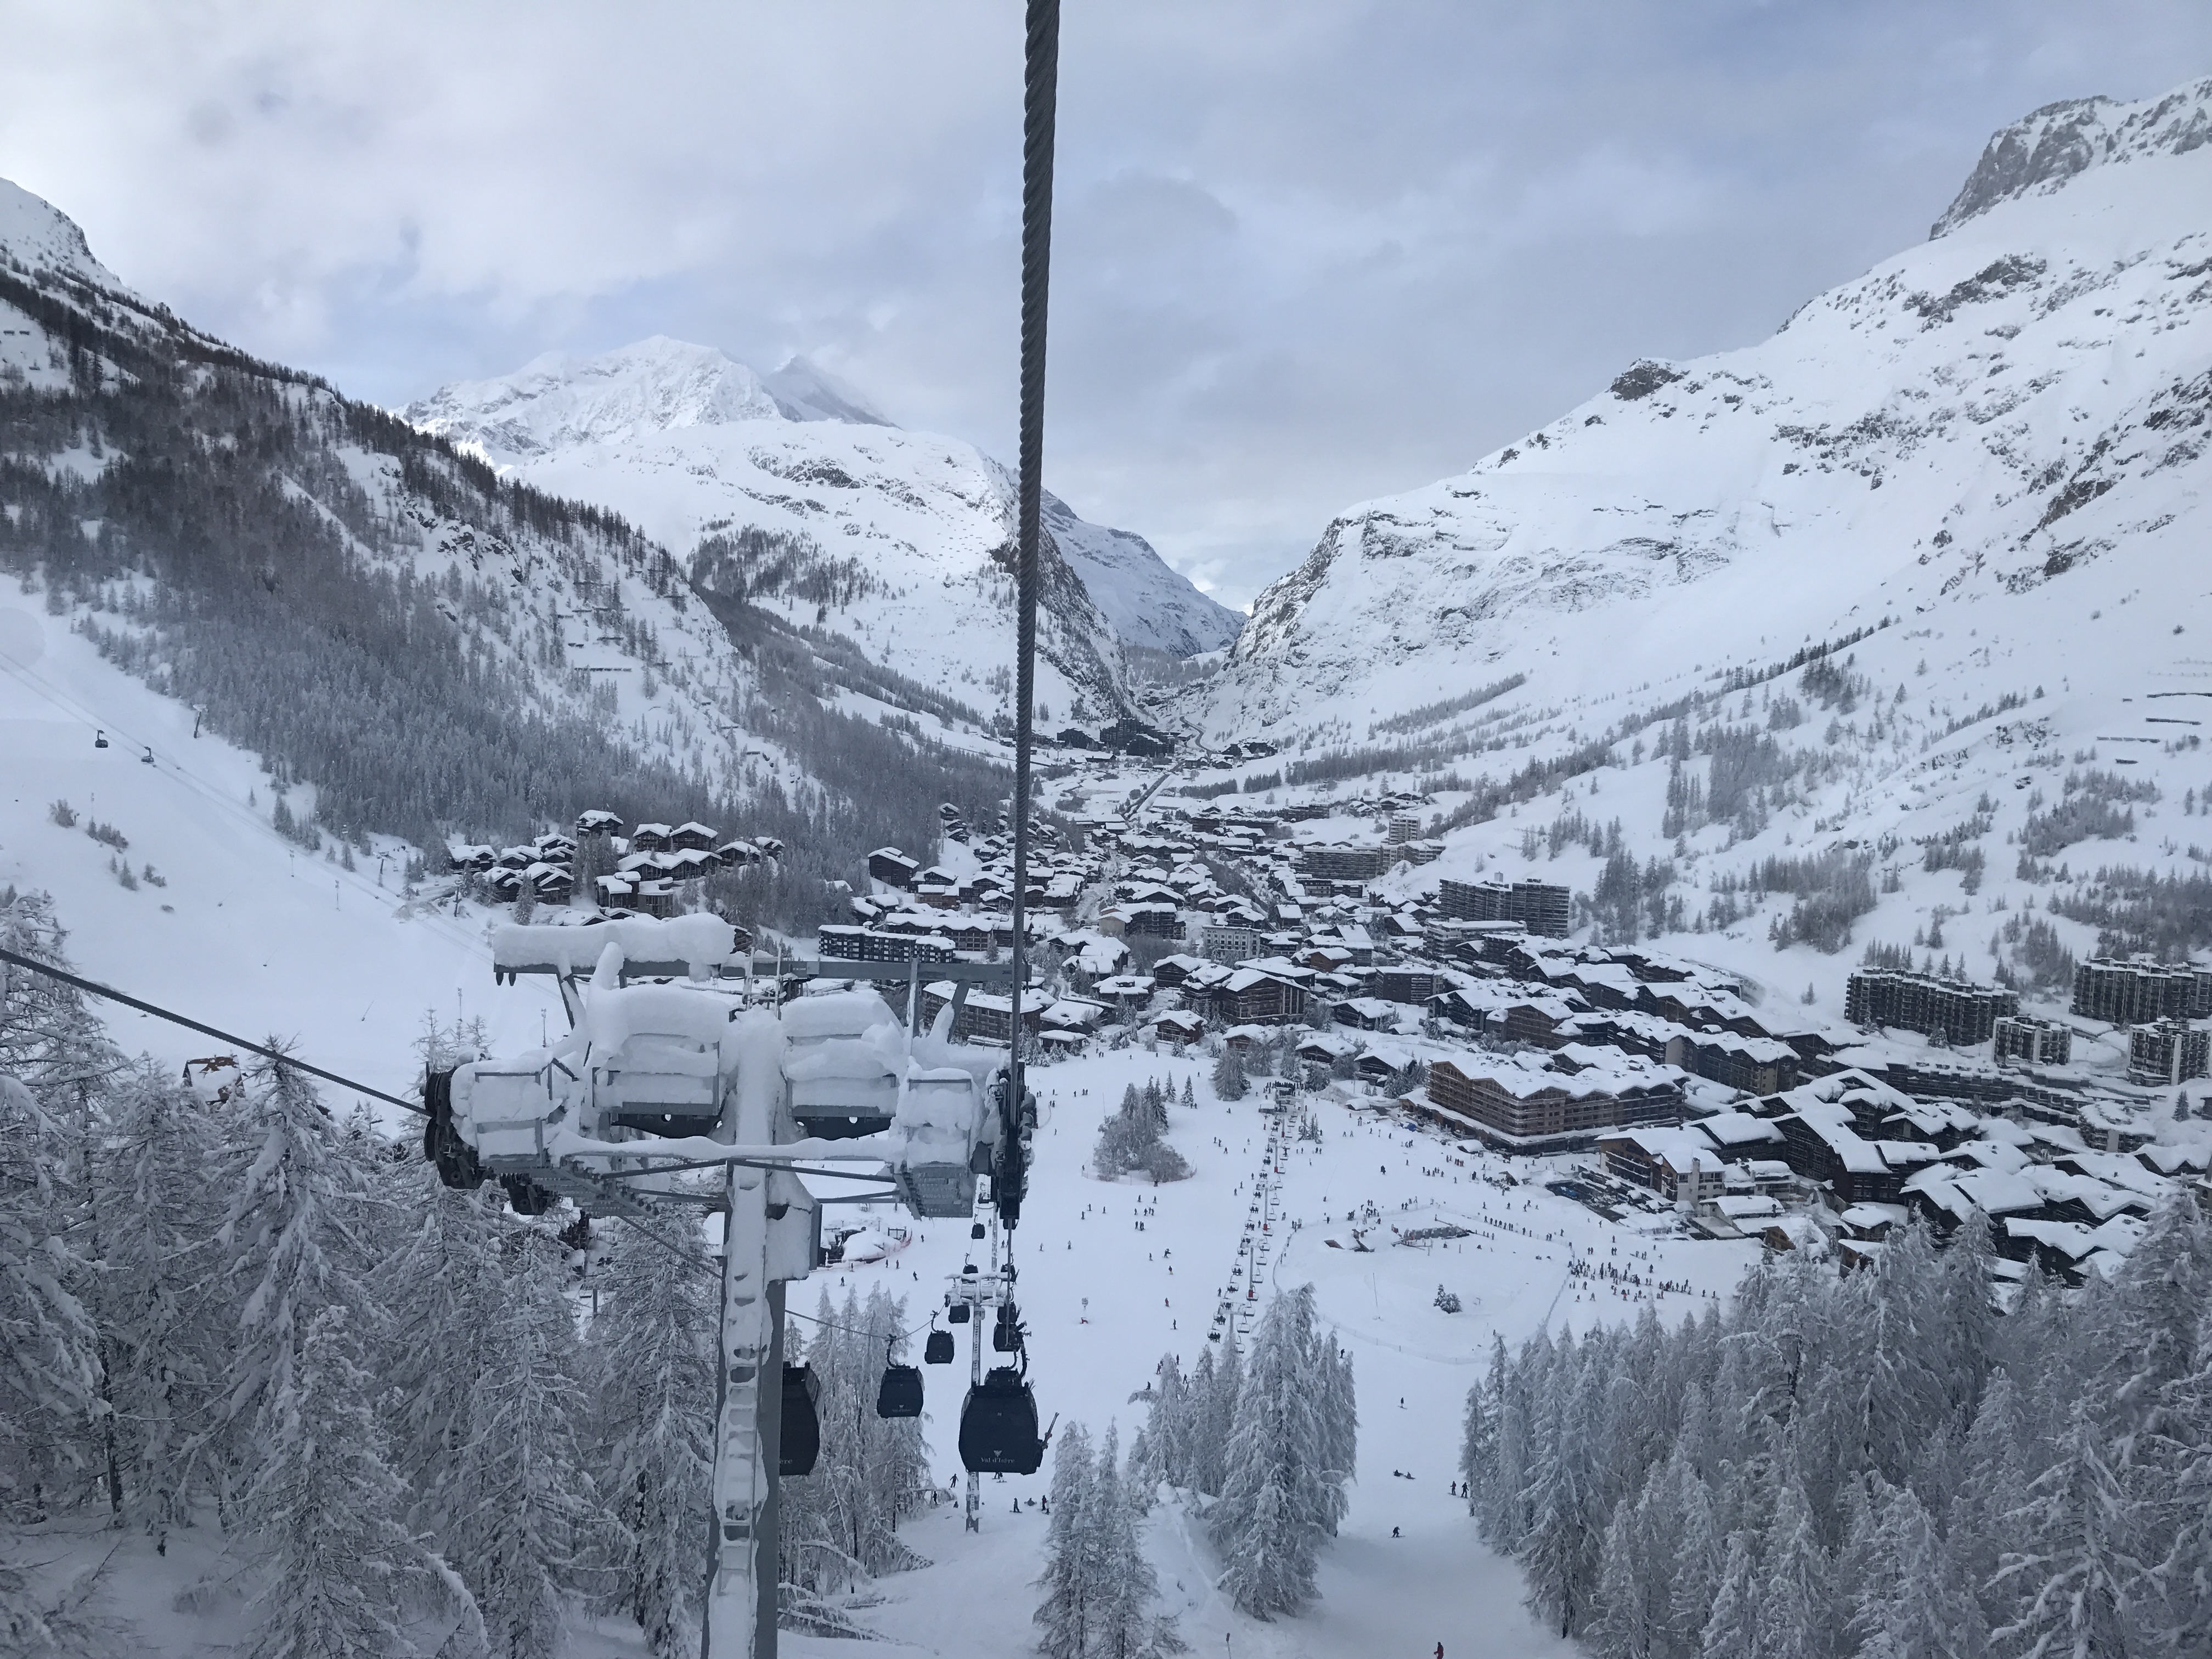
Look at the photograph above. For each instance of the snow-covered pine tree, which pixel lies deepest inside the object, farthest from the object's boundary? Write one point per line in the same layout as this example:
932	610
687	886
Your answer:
1161	1450
1189	1100
521	1501
1699	1554
1229	1079
651	1353
1275	1505
342	1571
1624	1623
1330	1368
294	1203
1218	1415
1796	1611
1203	1465
439	1286
1123	1625
1911	1604
2079	1580
1731	1630
2181	1453
1071	1592
49	1347
1130	1140
1565	1486
159	1299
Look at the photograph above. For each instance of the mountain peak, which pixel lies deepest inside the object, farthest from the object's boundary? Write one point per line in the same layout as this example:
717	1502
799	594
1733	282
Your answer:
39	236
2040	152
555	400
651	386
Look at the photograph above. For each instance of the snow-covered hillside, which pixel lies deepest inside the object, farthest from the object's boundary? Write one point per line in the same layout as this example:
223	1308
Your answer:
2010	419
900	540
1979	472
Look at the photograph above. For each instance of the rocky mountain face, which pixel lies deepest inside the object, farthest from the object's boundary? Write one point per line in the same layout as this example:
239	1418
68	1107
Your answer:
2006	425
2042	152
788	492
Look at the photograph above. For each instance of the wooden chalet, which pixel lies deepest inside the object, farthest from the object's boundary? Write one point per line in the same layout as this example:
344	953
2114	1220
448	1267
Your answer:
892	867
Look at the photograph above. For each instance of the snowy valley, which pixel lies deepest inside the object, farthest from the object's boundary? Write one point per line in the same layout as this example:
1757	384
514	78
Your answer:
1585	781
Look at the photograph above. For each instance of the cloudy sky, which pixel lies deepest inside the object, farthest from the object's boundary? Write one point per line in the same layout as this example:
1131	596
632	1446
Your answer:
1308	251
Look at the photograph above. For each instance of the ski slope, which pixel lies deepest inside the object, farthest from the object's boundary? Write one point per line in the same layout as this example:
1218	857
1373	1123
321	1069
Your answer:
252	934
1079	1240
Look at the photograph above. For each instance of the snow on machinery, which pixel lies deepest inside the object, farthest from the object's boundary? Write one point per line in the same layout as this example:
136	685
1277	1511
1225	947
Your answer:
684	1055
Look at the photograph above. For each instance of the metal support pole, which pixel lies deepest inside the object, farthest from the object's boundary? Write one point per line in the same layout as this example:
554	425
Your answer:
741	1591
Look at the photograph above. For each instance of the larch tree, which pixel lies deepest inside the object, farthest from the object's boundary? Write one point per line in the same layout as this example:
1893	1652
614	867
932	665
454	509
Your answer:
522	1501
652	1351
342	1573
1064	1618
160	1297
294	1202
1275	1504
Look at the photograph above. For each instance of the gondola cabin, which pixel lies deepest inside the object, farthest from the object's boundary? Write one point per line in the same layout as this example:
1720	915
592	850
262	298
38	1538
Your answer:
801	1442
999	1425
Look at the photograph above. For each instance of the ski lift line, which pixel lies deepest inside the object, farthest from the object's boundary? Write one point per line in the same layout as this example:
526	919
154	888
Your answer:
1040	99
850	1330
113	995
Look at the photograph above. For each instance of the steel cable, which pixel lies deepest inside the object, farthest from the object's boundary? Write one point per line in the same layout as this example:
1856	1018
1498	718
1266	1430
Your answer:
1040	100
278	1056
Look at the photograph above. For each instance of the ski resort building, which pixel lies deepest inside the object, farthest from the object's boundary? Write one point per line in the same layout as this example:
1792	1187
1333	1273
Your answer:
1676	1164
2168	1051
843	942
2031	1041
1252	996
2136	992
1541	906
1342	863
1958	1010
1519	1108
1229	944
981	1016
1757	1065
892	867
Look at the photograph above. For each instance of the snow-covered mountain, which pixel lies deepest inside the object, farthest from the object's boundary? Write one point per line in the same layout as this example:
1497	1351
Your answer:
1148	603
2006	423
413	649
900	540
1895	617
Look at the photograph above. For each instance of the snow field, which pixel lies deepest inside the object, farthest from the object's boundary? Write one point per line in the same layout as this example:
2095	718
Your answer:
252	935
1114	1243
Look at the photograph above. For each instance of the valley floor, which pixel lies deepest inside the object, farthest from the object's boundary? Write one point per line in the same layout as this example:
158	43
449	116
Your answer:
1103	1307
